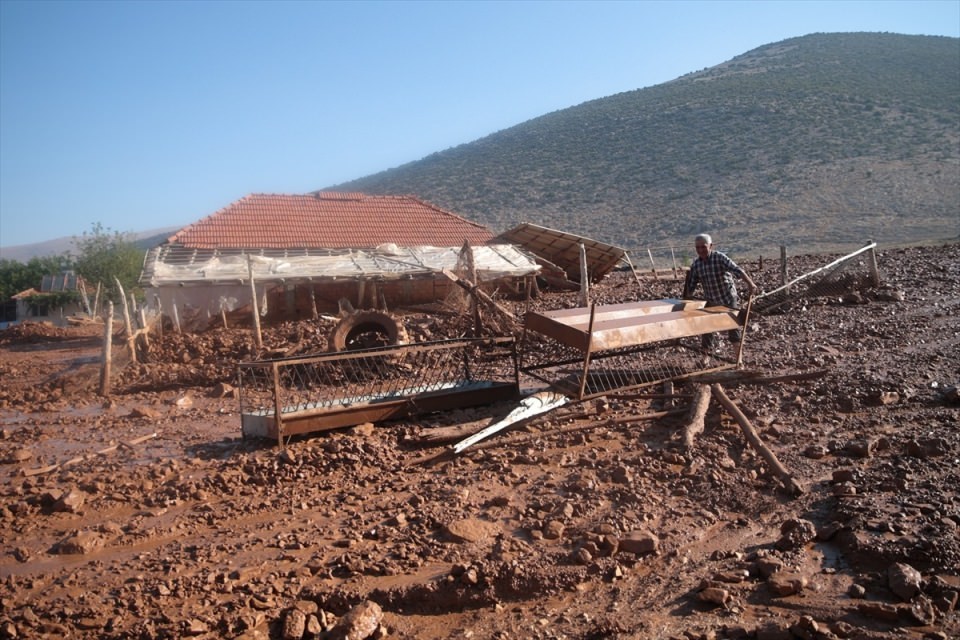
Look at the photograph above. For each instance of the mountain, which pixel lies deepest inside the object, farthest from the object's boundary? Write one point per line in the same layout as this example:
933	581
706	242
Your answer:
23	252
817	142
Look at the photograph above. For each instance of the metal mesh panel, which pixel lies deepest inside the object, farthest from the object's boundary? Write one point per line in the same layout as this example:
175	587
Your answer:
342	380
836	279
568	370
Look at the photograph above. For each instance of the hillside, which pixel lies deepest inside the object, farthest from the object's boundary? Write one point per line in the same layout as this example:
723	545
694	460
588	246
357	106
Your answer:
817	142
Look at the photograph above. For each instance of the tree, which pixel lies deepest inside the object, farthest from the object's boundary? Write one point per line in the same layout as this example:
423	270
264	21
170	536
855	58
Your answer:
105	255
18	276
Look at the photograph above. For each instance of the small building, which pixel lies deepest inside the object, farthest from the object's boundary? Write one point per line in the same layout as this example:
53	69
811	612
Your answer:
303	254
60	297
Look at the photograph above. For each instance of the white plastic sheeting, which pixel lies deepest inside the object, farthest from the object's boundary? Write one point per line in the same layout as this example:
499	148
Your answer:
200	285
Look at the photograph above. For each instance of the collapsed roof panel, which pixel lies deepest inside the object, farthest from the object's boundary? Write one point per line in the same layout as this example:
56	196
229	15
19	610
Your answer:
563	250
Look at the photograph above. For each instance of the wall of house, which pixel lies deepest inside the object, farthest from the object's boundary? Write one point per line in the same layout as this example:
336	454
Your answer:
198	307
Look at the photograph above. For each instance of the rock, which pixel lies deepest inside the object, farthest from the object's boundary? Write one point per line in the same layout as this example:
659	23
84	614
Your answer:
889	397
582	556
144	412
197	627
366	429
639	542
20	455
70	502
294	624
359	623
314	626
471	530
927	448
80	543
553	530
768	566
184	402
861	448
773	631
856	591
714	595
879	611
786	583
828	531
796	532
816	451
806	628
903	580
223	390
923	611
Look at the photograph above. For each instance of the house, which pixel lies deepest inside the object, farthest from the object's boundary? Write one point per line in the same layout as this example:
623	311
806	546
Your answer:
303	254
60	297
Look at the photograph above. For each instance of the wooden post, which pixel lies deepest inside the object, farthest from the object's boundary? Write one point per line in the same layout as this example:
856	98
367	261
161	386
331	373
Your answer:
361	292
107	352
872	262
156	301
146	329
676	272
314	313
653	265
467	252
697	415
254	306
176	316
754	439
96	300
584	278
783	265
223	315
128	330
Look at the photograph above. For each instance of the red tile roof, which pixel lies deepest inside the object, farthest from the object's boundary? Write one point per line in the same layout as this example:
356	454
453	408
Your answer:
327	220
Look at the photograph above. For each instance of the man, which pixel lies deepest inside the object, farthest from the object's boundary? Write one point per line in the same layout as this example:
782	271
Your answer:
715	272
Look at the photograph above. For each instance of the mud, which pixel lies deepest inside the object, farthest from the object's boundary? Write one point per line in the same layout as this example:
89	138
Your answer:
146	515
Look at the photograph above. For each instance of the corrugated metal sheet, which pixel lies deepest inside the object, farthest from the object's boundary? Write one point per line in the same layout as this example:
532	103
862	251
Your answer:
563	250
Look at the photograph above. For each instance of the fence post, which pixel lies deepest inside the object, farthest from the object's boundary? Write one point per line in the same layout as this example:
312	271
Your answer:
783	265
107	352
874	272
584	279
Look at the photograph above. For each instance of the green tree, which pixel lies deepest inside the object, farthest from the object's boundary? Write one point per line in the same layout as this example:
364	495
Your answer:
105	255
16	276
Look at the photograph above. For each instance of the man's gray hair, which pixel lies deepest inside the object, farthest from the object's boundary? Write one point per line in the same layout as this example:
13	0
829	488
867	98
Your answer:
703	237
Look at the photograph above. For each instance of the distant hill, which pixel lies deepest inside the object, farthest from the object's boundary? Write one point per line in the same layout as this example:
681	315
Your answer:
817	142
23	252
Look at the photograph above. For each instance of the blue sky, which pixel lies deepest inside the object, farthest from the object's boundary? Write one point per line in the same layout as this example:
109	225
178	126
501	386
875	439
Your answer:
139	115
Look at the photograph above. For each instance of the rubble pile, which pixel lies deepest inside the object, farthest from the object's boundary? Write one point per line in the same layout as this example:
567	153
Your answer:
586	522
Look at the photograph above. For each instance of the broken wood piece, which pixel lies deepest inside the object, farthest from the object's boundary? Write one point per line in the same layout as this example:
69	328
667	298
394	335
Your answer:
696	415
477	293
754	439
141	439
754	377
530	406
36	472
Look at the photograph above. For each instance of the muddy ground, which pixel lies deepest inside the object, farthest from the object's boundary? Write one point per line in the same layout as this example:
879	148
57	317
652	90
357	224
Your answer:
146	515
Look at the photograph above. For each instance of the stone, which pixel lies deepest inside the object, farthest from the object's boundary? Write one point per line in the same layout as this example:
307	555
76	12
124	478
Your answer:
639	542
223	390
70	502
144	412
80	543
786	583
773	631
359	623
294	624
796	532
903	580
365	429
714	595
471	530
553	530
768	566
861	448
879	611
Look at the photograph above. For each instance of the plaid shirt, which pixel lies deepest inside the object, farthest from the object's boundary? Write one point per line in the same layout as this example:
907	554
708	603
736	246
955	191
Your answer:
716	275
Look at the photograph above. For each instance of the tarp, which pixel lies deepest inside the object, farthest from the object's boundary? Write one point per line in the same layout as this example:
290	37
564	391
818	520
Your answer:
166	266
